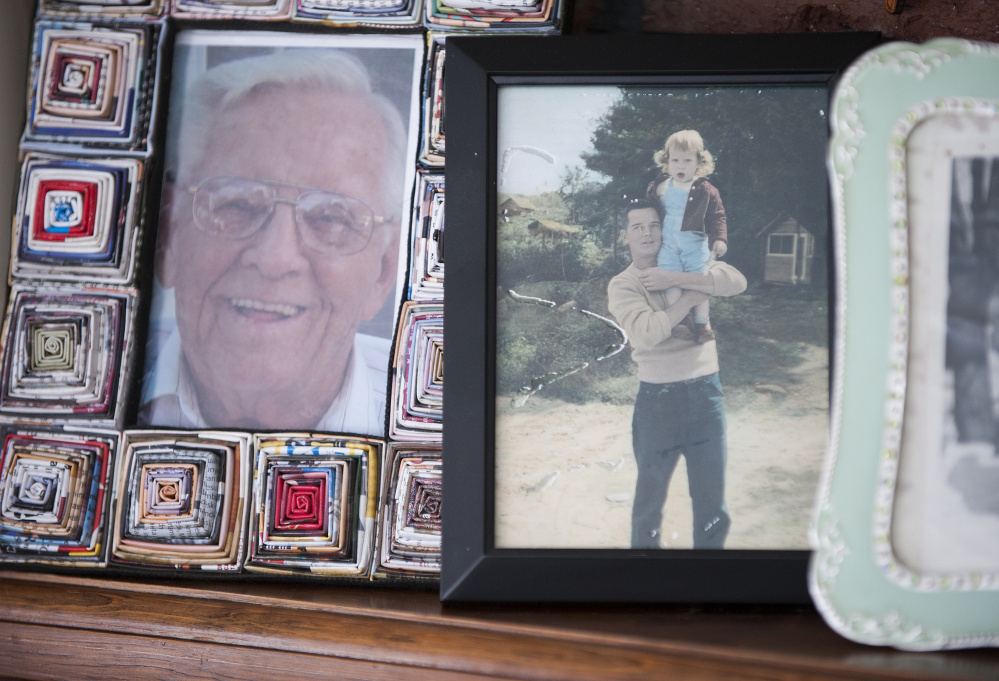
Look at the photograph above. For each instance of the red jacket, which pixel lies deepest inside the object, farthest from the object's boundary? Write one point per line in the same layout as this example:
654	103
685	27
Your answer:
704	211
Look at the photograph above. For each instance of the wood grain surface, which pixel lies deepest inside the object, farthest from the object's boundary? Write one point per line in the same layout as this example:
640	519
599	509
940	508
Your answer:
61	627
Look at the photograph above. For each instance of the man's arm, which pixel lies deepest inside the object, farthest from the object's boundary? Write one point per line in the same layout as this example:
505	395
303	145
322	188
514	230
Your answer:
720	279
645	326
687	301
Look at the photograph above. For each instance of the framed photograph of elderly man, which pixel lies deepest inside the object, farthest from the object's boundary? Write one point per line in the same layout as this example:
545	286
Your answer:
289	167
639	383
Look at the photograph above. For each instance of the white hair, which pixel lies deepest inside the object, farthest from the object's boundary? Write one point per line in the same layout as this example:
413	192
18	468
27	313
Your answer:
336	73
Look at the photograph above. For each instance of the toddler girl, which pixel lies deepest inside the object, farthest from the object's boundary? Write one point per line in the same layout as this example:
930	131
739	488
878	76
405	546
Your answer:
694	226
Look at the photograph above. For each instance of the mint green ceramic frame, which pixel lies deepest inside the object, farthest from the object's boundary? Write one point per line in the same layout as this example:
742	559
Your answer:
861	589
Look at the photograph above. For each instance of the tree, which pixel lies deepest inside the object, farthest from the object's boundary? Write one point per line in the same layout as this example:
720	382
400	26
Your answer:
768	142
588	205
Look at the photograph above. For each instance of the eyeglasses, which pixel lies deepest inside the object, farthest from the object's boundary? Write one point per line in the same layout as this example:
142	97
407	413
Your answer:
239	207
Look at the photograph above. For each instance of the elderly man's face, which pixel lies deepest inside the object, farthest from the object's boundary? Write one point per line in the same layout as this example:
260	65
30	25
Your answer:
266	312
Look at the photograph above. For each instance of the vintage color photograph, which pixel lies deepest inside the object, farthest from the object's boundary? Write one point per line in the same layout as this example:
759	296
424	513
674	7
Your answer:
662	357
290	162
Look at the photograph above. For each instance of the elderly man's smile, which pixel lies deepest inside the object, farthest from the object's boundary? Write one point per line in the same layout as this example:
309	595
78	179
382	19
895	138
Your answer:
258	309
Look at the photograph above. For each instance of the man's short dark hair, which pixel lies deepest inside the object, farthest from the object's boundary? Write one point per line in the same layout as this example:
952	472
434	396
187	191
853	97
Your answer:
637	204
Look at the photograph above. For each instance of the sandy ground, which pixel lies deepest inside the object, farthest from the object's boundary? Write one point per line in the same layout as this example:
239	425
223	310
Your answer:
565	473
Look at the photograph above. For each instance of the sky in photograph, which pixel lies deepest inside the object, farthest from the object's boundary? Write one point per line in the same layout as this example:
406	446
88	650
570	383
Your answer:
543	130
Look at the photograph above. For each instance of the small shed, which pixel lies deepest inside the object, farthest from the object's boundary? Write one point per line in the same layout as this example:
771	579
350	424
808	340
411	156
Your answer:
788	250
546	229
516	206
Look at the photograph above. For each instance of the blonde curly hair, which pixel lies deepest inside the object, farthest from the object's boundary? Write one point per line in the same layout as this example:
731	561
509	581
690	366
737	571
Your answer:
686	140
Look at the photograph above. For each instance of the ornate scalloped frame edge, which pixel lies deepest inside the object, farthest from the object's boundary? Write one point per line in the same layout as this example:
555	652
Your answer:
858	585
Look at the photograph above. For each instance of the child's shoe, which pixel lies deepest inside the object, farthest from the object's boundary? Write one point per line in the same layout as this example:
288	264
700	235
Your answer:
685	329
704	333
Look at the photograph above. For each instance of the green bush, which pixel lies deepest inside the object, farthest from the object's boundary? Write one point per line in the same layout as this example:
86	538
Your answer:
536	344
532	259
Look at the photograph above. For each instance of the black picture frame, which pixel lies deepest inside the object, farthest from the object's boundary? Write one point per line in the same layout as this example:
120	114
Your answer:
473	568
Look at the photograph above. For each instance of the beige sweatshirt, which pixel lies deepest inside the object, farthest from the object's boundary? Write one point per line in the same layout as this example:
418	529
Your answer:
644	315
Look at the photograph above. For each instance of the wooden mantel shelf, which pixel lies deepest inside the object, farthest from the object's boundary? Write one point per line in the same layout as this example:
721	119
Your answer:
66	627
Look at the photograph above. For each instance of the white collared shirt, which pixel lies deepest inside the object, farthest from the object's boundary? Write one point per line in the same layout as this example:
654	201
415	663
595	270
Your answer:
169	399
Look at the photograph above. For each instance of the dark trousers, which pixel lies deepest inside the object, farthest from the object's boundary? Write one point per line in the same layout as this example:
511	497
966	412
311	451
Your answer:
673	419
